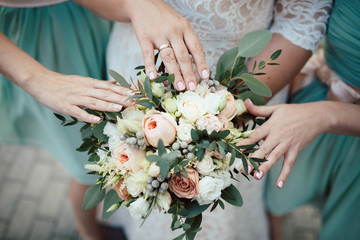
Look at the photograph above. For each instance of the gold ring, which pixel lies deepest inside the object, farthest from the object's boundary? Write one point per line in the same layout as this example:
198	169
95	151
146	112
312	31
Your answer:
163	46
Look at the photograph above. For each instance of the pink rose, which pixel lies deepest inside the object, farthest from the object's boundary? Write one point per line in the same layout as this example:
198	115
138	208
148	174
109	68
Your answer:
224	121
159	125
230	110
210	123
129	158
185	187
121	190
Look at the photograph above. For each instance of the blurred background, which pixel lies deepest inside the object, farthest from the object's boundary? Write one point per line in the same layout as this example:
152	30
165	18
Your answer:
34	203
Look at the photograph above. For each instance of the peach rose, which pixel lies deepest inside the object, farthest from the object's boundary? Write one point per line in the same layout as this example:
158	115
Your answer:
159	125
129	158
185	187
224	121
121	190
210	123
230	110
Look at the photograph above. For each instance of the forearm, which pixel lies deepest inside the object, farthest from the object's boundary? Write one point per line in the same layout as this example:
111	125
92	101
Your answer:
344	118
15	64
291	61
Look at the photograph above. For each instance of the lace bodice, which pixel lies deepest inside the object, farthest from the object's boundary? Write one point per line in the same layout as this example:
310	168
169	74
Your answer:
219	24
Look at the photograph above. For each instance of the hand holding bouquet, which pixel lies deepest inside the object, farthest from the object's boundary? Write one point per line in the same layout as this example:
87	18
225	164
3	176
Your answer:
176	151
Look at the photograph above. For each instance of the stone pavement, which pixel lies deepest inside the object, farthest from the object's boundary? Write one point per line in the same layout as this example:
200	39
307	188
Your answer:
34	203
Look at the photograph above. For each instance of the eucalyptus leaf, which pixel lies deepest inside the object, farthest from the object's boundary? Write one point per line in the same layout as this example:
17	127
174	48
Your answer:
147	87
275	55
232	195
225	62
255	98
255	85
93	196
119	79
110	199
60	117
194	209
194	135
98	131
253	43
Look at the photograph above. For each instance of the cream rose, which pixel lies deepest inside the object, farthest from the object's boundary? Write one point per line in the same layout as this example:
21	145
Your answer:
210	123
185	187
128	158
121	190
184	131
209	190
206	166
212	103
170	105
163	200
139	208
230	110
224	121
224	176
159	125
191	106
136	183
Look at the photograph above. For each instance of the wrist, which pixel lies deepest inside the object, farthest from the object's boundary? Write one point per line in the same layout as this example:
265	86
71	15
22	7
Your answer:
329	116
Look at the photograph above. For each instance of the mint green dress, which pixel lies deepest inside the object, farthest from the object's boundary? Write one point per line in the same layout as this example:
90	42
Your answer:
65	38
327	172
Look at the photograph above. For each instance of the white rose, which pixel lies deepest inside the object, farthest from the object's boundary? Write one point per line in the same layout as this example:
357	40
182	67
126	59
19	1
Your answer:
210	123
131	126
224	176
191	106
240	107
154	170
209	190
213	101
206	166
163	200
157	89
110	130
136	183
139	208
184	131
132	113
237	165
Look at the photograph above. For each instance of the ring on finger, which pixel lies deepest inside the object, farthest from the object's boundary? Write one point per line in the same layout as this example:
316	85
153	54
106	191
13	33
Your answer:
164	46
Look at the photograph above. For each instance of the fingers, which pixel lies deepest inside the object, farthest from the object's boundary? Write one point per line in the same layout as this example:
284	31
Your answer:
96	104
147	50
289	161
260	111
197	52
184	60
169	60
258	134
110	97
83	115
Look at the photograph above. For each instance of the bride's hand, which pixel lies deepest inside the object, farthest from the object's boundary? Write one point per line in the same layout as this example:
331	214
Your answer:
68	94
290	128
156	24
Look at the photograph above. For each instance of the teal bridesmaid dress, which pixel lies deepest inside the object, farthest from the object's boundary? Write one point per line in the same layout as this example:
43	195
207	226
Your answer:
327	173
65	38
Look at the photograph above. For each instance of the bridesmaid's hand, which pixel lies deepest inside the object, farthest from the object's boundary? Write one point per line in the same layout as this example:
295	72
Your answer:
156	24
68	94
290	128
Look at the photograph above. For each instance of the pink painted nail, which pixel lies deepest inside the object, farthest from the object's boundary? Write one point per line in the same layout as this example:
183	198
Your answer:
249	169
181	86
117	107
152	75
280	184
96	119
205	73
259	175
192	86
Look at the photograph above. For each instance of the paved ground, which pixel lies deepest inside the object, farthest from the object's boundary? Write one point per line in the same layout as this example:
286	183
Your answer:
34	203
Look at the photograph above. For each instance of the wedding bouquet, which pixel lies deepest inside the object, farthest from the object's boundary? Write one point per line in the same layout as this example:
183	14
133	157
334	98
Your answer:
177	151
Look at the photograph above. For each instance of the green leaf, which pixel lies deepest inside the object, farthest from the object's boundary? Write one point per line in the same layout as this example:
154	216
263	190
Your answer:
273	63
221	204
185	173
71	123
232	195
119	79
180	237
140	67
194	209
94	158
147	87
134	97
171	79
153	158
275	55
98	131
253	43
262	65
164	168
93	196
223	134
212	146
255	85
200	154
147	104
161	79
110	199
161	147
194	135
185	226
255	98
214	206
60	117
259	159
225	63
233	155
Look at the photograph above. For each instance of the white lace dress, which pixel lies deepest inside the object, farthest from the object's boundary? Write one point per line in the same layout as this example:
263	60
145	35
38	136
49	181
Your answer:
219	24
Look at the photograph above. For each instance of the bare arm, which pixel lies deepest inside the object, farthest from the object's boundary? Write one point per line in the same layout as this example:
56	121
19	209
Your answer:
62	93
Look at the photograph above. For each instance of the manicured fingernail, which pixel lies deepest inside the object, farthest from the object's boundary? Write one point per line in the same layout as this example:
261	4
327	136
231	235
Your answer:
259	175
250	101
181	86
96	119
117	107
130	93
205	73
192	86
249	169
152	75
280	184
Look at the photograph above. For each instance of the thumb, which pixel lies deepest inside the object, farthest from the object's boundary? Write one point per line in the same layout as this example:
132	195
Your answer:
260	111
